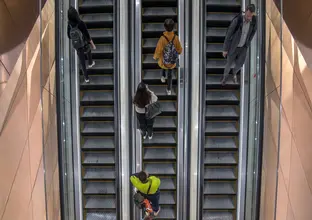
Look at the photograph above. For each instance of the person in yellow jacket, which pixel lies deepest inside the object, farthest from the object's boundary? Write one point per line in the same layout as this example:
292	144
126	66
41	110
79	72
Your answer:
166	62
148	186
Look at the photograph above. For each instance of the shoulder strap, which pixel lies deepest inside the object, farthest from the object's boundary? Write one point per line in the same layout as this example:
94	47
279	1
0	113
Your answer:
149	188
168	39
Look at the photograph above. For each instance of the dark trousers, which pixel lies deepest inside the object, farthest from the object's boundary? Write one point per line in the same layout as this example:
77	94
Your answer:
168	73
238	58
146	125
154	199
81	55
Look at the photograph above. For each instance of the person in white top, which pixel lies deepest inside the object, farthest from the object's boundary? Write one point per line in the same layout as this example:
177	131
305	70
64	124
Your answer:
142	98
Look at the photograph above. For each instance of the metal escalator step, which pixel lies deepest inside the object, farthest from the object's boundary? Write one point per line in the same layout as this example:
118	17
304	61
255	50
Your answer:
167	139
216	32
220	158
103	49
150	42
92	18
167	198
228	17
98	82
148	59
100	36
97	98
214	48
167	213
159	154
220	143
97	3
151	74
99	173
160	168
154	27
165	123
98	143
221	112
98	113
167	183
221	128
226	97
216	64
159	11
218	202
161	91
214	81
219	174
102	65
223	2
100	202
98	128
98	158
100	188
98	215
219	188
217	215
168	107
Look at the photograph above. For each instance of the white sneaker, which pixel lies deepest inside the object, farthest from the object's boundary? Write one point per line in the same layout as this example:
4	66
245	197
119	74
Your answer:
163	79
93	63
87	80
150	137
145	136
168	92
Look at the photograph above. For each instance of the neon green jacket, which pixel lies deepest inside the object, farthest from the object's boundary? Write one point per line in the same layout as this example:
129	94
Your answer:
143	187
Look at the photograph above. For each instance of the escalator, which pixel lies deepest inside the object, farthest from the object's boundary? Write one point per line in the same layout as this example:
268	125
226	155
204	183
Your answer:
222	118
159	154
97	117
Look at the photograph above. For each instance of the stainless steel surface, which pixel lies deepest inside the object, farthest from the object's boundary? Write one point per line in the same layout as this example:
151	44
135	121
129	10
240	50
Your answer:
124	114
196	54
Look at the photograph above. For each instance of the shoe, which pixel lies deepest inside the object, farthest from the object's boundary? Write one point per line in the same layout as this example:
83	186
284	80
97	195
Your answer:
150	137
163	79
223	81
145	136
168	92
93	63
156	213
87	80
235	79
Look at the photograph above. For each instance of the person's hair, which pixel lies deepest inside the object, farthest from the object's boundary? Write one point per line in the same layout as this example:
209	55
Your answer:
251	8
142	96
142	176
72	15
169	25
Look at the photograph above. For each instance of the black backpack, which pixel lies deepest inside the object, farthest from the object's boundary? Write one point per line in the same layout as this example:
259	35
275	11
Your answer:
76	37
138	198
238	23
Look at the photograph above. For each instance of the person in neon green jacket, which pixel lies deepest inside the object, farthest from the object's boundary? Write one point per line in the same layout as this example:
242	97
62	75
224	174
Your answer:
148	186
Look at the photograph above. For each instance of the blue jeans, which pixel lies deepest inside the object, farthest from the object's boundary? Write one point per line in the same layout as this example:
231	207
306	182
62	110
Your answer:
154	199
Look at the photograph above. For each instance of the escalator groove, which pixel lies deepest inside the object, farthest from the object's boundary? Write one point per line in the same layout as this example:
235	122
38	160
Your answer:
159	154
220	159
97	116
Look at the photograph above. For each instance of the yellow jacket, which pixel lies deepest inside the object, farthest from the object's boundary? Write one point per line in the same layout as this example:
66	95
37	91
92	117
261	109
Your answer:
162	43
143	187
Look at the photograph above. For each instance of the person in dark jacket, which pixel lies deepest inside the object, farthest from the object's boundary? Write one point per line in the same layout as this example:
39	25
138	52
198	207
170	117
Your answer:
237	40
75	21
148	186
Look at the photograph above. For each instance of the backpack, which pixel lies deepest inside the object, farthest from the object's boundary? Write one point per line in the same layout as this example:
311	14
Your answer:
76	37
237	25
170	53
139	199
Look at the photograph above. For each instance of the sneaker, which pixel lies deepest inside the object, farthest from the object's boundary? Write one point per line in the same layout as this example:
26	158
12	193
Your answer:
235	79
93	63
168	92
163	79
150	137
156	213
144	136
87	80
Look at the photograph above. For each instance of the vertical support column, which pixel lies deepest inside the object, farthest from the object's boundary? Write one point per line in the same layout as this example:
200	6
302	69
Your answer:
195	128
243	134
123	103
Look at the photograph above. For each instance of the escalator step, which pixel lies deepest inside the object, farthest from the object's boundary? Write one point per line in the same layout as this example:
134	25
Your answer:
168	123
216	64
216	32
96	173
229	3
151	74
221	113
148	59
220	143
154	27
219	174
98	143
98	82
100	202
100	188
160	168
98	128
98	215
218	215
159	154
98	113
167	139
160	91
103	49
221	128
96	3
103	65
214	48
218	203
92	18
97	98
159	12
167	183
167	213
96	158
149	43
220	158
214	82
219	188
167	198
101	35
223	97
219	19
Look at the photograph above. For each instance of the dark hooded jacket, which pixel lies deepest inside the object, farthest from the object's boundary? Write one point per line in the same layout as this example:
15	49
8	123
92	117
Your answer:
234	33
